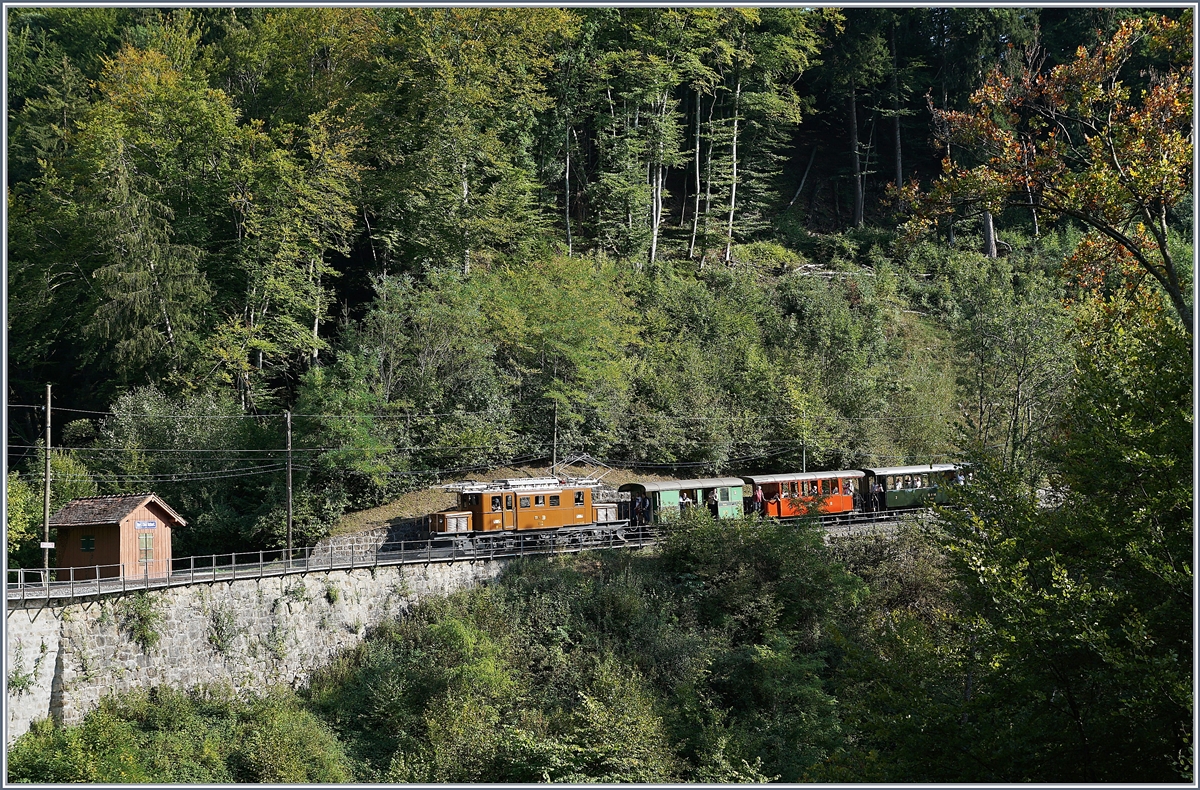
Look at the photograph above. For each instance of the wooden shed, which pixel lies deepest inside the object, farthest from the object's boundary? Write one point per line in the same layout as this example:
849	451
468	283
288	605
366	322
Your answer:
125	534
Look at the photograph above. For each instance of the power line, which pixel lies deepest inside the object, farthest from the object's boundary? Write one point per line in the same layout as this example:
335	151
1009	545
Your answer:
171	450
498	412
199	473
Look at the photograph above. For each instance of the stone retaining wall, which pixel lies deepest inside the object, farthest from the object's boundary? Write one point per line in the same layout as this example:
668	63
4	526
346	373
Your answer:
366	543
247	634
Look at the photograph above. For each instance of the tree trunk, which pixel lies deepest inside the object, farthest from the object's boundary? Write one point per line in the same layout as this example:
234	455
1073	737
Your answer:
316	310
466	234
655	208
896	108
567	188
656	183
737	95
856	170
989	235
708	180
803	178
696	205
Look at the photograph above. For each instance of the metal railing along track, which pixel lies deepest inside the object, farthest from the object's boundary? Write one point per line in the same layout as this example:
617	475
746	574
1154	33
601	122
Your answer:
31	585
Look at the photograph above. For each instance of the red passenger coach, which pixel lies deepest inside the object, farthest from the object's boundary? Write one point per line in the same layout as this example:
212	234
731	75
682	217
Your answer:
794	494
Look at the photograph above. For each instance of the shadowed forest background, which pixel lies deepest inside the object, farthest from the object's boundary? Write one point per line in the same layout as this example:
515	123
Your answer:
687	241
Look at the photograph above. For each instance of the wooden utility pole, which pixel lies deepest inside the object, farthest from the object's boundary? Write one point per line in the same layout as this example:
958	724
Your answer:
288	415
46	499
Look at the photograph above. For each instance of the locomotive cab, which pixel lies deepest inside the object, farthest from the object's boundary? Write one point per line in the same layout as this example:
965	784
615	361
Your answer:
533	503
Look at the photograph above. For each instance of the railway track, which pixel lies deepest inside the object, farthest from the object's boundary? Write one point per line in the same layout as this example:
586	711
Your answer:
31	586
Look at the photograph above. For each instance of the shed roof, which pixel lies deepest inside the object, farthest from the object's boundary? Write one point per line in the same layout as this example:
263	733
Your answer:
107	509
679	485
782	478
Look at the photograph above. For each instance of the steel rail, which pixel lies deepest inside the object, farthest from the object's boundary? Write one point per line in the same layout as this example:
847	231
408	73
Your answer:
91	581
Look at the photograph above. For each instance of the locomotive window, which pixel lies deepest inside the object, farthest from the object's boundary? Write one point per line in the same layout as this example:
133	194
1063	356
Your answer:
578	499
508	501
495	504
539	500
524	501
554	500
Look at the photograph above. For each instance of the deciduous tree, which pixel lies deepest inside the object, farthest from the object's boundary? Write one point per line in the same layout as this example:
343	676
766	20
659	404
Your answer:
1091	139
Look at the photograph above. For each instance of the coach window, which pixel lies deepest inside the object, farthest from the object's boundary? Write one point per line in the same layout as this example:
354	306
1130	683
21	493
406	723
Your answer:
524	501
539	500
724	494
495	504
508	501
578	499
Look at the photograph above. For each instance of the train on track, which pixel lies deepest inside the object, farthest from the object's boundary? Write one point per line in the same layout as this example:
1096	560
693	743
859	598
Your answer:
567	506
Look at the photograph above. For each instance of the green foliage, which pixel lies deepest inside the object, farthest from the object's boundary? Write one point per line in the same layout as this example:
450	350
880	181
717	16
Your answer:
70	478
277	642
283	742
20	677
445	238
222	627
605	668
1057	623
140	615
24	522
194	737
222	507
296	591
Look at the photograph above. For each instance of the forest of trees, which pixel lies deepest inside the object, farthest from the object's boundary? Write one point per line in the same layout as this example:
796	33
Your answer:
690	241
441	236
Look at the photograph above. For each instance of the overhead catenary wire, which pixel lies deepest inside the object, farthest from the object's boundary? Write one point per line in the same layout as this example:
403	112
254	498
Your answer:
499	412
760	450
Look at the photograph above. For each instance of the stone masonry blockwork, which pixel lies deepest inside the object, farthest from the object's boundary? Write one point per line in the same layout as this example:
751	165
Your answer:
246	634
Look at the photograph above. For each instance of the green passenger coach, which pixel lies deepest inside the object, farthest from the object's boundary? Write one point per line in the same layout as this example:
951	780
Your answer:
911	486
667	496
